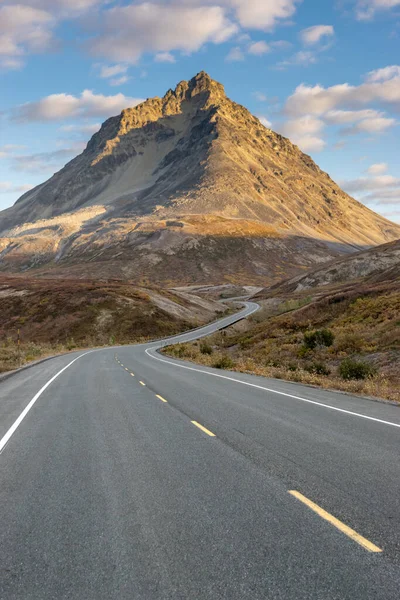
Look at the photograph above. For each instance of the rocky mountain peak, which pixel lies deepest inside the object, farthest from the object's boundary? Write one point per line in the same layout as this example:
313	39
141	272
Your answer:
192	175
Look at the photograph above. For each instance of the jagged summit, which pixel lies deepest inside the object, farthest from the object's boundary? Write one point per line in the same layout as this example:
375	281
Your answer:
194	174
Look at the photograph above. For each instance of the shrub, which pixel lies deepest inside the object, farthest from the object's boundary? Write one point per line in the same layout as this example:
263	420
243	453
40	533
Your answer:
224	362
320	337
206	348
317	368
356	369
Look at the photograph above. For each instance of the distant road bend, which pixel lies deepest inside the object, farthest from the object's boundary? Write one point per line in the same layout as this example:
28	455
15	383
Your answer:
127	475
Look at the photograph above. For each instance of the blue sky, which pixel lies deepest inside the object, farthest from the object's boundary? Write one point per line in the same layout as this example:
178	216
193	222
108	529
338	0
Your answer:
323	73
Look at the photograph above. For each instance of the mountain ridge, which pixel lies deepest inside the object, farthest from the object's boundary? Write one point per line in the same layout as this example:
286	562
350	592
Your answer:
161	177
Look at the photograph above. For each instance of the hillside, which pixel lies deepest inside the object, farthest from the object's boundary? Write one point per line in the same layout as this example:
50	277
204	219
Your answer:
380	264
335	328
57	316
188	188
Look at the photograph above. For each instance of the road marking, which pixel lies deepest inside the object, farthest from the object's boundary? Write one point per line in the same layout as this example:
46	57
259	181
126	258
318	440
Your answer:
142	383
126	369
132	375
260	387
336	523
207	431
22	416
161	398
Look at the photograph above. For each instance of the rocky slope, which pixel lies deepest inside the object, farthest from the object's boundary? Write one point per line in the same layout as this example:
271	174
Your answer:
376	265
188	188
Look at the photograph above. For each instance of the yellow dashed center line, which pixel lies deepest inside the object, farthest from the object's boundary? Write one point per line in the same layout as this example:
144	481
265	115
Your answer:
142	383
207	431
161	398
336	523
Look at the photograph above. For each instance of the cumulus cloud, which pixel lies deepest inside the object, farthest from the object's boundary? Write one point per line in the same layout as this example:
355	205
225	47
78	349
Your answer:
129	31
366	9
305	132
259	48
57	5
23	30
119	80
58	107
164	57
375	125
378	182
265	121
112	71
84	128
318	100
235	55
377	169
256	14
342	104
303	58
380	190
313	35
384	74
260	97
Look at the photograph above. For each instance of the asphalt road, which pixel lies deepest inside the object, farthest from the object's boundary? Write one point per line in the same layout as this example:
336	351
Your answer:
113	488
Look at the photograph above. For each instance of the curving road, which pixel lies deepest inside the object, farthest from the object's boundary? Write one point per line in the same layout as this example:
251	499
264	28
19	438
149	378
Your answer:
125	474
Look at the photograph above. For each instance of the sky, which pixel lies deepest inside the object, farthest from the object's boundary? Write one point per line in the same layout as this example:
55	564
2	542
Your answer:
321	72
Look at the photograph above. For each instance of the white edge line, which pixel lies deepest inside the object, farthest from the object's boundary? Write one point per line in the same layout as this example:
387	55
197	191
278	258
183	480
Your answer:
22	416
260	387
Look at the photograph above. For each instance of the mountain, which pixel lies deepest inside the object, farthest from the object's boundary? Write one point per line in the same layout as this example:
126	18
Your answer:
373	266
188	188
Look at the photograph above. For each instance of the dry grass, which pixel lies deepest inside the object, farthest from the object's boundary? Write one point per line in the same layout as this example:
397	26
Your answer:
55	316
365	325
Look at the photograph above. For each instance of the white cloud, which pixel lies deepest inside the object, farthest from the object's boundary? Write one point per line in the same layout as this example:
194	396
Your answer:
112	71
313	35
318	100
366	121
119	80
84	128
377	169
129	31
281	45
60	5
260	97
305	132
6	187
304	58
164	57
263	14
23	30
366	9
384	74
58	107
378	182
259	48
376	125
235	55
265	121
342	117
